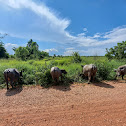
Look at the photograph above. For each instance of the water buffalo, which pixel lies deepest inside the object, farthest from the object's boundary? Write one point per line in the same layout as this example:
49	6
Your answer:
56	73
121	71
89	71
12	75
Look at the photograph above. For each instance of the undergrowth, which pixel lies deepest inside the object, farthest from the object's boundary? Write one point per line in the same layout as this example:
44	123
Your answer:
38	71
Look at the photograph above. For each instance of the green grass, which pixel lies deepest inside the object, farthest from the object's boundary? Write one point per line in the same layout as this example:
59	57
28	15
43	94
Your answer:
38	71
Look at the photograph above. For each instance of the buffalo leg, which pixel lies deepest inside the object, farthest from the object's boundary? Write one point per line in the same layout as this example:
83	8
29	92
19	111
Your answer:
54	79
61	78
57	79
122	77
7	84
115	77
89	78
11	83
94	76
6	81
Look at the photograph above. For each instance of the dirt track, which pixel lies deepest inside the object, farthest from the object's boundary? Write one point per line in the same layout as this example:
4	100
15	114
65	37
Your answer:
102	104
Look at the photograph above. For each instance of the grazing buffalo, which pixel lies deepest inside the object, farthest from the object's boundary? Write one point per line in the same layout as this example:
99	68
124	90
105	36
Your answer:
89	71
121	71
56	73
12	75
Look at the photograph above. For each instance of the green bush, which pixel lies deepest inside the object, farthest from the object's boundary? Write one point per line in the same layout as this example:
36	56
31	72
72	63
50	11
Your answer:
29	79
38	71
44	79
76	57
104	71
1	77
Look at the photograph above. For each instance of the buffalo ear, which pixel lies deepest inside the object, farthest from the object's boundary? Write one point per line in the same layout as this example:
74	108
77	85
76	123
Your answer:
63	71
122	69
115	70
82	65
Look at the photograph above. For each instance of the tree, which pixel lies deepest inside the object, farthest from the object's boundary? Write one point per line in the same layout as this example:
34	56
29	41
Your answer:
29	43
76	57
21	53
31	51
32	48
117	52
42	54
3	52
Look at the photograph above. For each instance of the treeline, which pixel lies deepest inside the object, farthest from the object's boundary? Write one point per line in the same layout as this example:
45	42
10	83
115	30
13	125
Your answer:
31	51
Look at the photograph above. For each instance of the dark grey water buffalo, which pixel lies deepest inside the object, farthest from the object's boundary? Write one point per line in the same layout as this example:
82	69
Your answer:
121	71
12	75
56	73
89	71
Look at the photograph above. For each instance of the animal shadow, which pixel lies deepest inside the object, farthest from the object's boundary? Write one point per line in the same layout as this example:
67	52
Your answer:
103	84
62	86
14	91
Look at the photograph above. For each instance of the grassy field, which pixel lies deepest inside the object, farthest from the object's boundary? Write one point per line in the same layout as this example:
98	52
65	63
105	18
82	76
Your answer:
38	71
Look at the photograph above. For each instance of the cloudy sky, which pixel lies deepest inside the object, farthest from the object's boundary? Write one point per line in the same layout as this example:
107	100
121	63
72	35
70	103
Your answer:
63	26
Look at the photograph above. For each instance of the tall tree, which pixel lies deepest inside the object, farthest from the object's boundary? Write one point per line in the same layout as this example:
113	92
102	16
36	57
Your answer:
3	52
29	43
118	52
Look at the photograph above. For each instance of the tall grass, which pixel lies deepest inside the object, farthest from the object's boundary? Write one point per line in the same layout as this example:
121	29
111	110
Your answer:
38	71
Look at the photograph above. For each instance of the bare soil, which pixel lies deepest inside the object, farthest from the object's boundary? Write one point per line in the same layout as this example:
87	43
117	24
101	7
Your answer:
98	104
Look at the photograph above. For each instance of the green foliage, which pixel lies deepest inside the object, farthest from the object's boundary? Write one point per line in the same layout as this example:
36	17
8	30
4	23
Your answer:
117	52
3	53
31	51
1	76
29	79
76	57
44	79
21	53
38	71
104	70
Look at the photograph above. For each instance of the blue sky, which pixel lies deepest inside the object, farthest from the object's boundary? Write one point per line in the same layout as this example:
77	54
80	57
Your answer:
64	26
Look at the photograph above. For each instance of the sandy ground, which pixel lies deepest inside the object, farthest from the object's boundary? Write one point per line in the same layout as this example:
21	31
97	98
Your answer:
101	104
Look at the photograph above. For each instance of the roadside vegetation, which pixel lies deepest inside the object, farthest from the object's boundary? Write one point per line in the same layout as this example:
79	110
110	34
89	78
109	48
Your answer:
37	64
38	71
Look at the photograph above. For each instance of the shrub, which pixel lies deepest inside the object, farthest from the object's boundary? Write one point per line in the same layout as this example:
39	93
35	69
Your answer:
29	79
1	77
43	78
76	57
104	70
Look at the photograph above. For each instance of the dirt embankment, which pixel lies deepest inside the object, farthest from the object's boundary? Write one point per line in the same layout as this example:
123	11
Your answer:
102	104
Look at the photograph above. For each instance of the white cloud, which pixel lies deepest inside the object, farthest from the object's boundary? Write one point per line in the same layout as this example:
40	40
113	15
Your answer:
81	34
116	35
93	52
9	47
85	29
86	52
70	48
49	27
48	23
51	50
68	52
97	35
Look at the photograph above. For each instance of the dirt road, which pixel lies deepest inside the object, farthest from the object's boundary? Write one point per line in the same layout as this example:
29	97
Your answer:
102	104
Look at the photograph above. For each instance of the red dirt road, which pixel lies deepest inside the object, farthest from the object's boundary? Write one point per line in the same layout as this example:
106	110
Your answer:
102	104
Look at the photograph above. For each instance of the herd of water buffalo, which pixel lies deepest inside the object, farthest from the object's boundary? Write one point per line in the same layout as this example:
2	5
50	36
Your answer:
12	75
